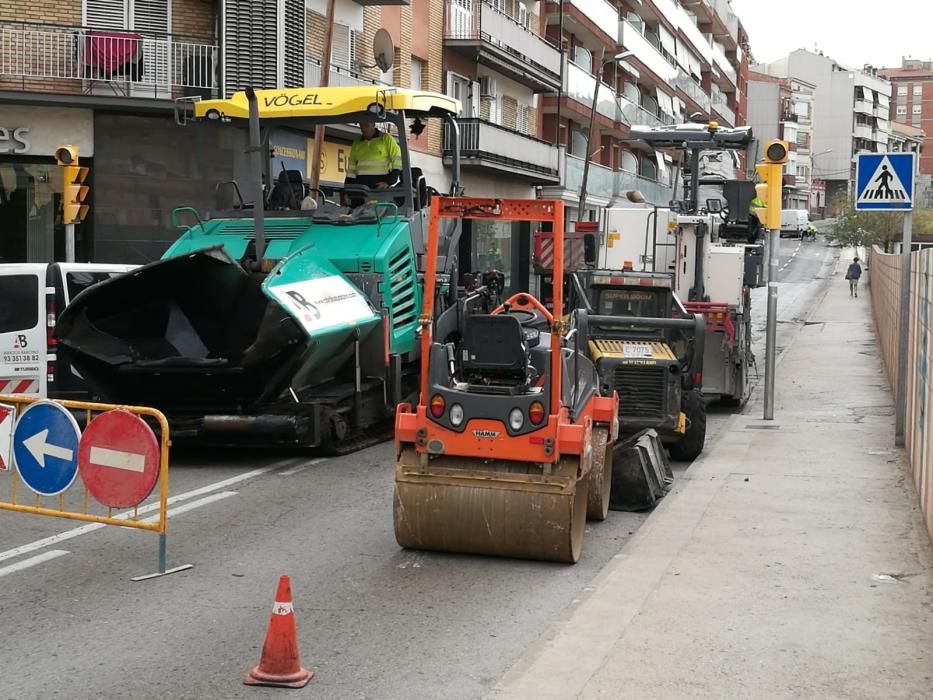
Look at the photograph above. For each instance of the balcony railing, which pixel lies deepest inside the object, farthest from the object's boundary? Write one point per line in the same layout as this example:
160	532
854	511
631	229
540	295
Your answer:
580	86
607	183
721	107
863	131
468	19
339	76
601	13
631	38
865	107
724	9
636	114
120	62
483	139
725	66
693	90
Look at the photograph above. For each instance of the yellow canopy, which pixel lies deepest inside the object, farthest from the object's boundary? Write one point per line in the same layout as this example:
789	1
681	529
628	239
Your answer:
329	104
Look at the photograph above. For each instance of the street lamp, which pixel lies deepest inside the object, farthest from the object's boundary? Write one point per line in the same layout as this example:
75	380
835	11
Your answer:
603	62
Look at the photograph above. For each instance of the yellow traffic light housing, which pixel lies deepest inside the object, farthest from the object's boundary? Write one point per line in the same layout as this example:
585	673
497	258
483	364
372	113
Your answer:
74	191
66	155
768	191
73	208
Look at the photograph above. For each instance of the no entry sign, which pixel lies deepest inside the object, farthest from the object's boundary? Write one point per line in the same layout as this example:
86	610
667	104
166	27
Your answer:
118	459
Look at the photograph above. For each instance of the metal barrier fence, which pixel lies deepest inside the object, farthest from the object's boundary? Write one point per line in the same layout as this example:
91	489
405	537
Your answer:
119	456
885	283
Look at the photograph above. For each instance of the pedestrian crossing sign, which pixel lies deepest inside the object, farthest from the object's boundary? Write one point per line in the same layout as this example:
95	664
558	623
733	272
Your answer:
884	182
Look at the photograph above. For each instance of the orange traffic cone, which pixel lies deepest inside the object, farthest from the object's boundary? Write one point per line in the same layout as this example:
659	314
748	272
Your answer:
279	663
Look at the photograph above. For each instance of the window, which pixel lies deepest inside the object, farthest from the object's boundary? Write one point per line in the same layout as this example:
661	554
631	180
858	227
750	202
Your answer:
918	90
901	90
416	68
341	49
521	119
917	109
901	110
79	281
19	303
583	58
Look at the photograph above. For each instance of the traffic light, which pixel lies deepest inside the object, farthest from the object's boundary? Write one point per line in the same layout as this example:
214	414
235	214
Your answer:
74	191
768	191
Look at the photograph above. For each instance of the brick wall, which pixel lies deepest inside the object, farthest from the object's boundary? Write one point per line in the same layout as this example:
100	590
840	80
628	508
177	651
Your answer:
193	18
43	47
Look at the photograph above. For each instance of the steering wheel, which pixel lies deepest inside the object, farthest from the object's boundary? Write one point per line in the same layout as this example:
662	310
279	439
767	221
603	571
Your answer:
524	316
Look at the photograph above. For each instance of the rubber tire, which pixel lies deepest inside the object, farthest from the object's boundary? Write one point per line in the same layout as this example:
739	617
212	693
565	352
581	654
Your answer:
600	477
691	444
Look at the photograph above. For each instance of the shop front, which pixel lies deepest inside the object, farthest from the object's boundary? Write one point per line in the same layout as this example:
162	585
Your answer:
31	182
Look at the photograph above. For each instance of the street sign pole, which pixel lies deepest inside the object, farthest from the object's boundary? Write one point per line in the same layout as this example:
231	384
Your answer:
900	410
774	240
69	243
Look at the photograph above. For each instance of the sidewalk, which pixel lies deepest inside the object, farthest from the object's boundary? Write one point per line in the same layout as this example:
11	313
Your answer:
790	561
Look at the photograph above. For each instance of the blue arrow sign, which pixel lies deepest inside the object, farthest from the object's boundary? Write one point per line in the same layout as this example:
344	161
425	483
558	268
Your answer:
884	182
45	448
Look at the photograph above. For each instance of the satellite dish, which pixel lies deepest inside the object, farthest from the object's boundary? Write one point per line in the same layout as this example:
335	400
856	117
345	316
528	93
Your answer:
383	50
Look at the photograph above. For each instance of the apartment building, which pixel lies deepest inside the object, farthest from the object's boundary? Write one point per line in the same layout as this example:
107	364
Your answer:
851	115
782	108
686	59
912	106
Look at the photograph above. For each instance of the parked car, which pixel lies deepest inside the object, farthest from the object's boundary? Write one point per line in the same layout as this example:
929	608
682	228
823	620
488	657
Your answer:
32	295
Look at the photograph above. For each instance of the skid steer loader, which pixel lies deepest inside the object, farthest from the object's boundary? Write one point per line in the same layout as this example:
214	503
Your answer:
508	450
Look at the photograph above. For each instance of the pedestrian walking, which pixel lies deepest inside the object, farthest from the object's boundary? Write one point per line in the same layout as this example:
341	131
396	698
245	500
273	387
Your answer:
853	274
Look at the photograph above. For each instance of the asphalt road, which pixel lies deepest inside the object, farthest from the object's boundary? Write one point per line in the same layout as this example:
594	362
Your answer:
374	621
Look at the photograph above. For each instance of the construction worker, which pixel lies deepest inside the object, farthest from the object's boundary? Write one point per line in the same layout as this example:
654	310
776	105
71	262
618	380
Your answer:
375	159
754	225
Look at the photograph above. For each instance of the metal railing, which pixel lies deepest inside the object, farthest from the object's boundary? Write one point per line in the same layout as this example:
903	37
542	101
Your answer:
339	76
467	19
636	114
128	62
692	89
606	183
479	137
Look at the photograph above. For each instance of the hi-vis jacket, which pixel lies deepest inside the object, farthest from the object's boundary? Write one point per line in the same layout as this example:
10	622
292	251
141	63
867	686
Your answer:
379	155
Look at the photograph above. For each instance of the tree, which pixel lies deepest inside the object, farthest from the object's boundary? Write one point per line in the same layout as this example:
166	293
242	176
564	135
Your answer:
867	228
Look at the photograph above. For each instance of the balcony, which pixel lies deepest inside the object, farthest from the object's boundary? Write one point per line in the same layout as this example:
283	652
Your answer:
493	147
655	192
636	114
728	19
727	78
339	76
649	55
882	111
579	86
604	184
880	137
863	131
865	107
592	22
692	90
721	107
485	34
600	181
79	60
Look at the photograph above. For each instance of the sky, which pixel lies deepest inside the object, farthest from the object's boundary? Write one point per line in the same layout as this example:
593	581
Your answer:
852	32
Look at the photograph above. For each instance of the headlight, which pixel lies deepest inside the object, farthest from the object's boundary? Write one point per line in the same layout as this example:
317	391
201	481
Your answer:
456	415
516	419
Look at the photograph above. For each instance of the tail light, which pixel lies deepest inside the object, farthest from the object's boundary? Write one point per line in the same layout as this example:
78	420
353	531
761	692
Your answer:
536	413
437	405
697	378
50	342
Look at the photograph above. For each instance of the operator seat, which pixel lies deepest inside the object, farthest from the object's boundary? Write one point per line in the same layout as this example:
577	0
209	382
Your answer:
288	192
493	348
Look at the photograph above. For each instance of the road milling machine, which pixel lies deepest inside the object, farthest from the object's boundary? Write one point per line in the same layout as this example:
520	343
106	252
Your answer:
508	449
708	275
291	318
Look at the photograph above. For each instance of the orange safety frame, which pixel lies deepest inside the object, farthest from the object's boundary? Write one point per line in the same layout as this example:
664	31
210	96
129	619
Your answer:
535	210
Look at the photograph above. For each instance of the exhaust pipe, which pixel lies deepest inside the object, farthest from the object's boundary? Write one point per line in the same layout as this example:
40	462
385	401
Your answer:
255	154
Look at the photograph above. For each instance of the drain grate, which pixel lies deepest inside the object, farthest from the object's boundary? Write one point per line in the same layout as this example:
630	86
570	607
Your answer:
762	427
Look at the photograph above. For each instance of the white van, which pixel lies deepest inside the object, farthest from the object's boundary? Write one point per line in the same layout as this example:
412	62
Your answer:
794	221
32	295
